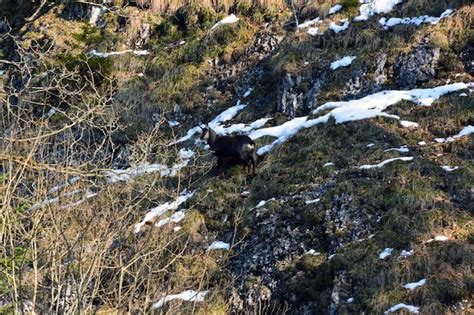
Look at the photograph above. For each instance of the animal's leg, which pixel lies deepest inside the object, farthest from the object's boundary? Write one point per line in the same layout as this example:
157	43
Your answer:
220	166
254	162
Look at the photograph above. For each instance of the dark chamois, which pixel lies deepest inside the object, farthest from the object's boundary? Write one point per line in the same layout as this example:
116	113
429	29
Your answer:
236	147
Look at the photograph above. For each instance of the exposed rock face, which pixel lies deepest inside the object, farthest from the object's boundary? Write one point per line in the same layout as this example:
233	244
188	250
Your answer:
417	66
467	57
76	11
143	35
289	99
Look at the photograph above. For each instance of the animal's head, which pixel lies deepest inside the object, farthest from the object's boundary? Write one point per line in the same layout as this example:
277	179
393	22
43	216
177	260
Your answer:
205	133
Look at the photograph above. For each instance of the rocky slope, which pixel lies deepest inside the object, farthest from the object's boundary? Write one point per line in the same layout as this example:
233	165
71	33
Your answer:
363	199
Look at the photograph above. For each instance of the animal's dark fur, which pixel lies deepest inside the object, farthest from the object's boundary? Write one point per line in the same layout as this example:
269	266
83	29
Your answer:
236	148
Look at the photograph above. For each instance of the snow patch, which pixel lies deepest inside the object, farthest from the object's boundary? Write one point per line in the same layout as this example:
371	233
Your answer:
406	253
173	123
159	210
414	20
115	53
408	124
219	245
410	308
87	195
310	23
314	31
350	300
422	143
439	238
227	20
188	295
285	131
381	164
175	218
385	253
448	168
96	12
312	252
414	285
463	94
343	62
226	115
309	202
261	204
328	164
339	28
402	149
334	9
369	8
248	92
373	105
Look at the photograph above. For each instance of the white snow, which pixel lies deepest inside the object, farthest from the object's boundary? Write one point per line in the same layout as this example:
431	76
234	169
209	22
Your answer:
241	128
175	218
245	193
173	123
406	253
312	252
328	164
2	72
308	202
369	8
381	164
177	228
310	23
219	245
51	112
226	115
465	132
350	300
52	200
70	181
96	12
408	124
339	28
343	62
422	143
366	107
227	20
124	175
314	31
285	131
188	295
463	94
410	308
385	253
335	9
374	104
261	204
159	210
414	285
115	53
87	195
439	238
402	149
370	145
331	256
248	92
448	168
414	20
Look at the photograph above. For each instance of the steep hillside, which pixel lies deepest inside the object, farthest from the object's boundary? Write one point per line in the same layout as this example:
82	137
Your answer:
363	115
